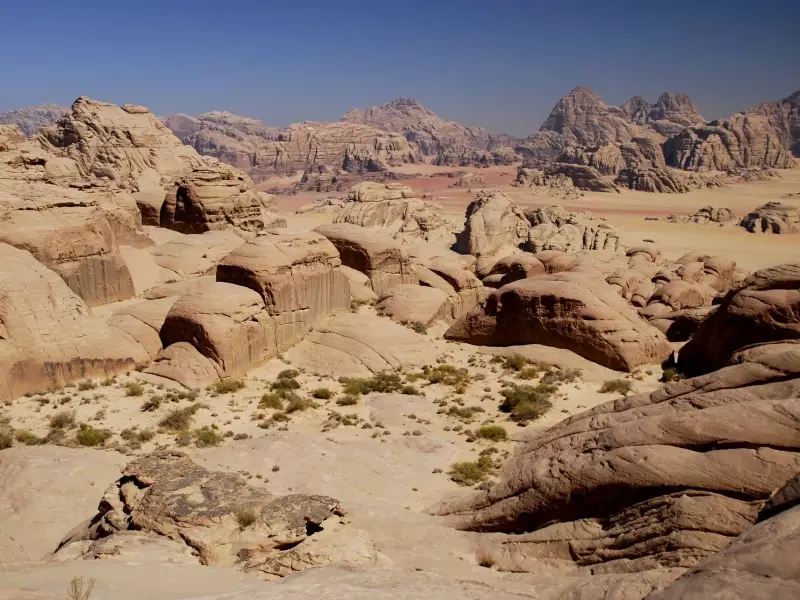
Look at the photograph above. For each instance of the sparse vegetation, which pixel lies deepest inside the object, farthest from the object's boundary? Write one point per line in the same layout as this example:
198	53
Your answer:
469	473
297	403
227	385
415	326
670	375
91	437
525	402
347	400
179	419
515	362
137	437
23	436
271	400
79	591
246	517
495	433
617	386
86	385
409	390
207	436
152	403
446	375
134	388
562	376
322	394
381	382
6	437
62	420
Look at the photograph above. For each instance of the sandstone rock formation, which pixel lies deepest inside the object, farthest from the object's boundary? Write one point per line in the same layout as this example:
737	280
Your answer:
651	180
773	217
250	145
369	251
165	496
554	228
412	304
761	310
661	479
706	215
569	311
670	113
495	227
461	156
48	337
584	178
763	136
392	206
431	134
557	185
32	118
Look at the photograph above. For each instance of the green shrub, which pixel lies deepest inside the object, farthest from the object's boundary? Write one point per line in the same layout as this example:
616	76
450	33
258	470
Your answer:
298	403
86	385
525	402
384	382
271	400
470	473
206	436
179	419
562	376
137	437
515	362
617	386
91	437
670	375
322	394
6	437
227	385
285	384
347	400
464	412
134	388
495	433
152	404
289	374
62	420
446	375
23	436
409	390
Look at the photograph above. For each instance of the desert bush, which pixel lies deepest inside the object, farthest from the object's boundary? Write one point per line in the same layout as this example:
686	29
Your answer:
62	420
617	386
469	473
446	375
241	436
86	385
206	436
347	400
179	419
23	436
6	437
409	390
91	437
526	402
384	382
137	437
246	517
415	326
227	385
298	403
322	394
152	403
495	433
134	388
464	412
515	362
271	400
670	375
562	376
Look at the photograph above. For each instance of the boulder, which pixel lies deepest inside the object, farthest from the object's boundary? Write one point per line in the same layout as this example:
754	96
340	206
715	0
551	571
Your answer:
662	479
773	217
763	309
360	344
705	215
556	185
170	497
412	304
515	267
495	227
360	286
48	336
369	251
297	276
570	311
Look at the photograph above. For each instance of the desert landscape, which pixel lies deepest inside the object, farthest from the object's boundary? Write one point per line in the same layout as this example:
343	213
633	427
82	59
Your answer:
396	356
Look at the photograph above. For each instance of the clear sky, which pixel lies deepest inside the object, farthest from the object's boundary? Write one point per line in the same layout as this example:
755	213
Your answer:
497	63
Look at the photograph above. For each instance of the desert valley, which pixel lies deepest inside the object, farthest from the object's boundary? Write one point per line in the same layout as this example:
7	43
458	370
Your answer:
395	356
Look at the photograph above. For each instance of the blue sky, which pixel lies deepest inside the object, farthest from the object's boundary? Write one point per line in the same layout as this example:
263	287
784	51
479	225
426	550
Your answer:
500	63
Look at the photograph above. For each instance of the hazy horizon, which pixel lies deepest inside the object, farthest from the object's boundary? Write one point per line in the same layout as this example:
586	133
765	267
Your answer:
500	66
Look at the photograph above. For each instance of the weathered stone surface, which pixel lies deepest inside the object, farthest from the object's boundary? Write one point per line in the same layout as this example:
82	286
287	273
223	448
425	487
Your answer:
167	494
568	311
360	286
651	180
417	304
554	228
465	156
495	227
182	362
706	215
773	217
666	478
763	309
190	256
32	118
556	185
513	268
671	113
357	345
369	251
48	336
297	276
584	177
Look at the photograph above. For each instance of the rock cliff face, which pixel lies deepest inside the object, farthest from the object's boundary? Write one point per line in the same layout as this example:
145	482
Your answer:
764	136
32	118
670	113
262	150
432	134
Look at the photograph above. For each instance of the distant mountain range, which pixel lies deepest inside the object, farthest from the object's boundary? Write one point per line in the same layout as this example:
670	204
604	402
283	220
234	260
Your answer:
405	131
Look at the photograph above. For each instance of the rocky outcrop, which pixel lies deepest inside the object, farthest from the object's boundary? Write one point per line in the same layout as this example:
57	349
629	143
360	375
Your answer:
668	116
569	310
554	186
661	479
706	215
583	177
165	496
763	309
215	197
261	150
48	336
460	156
431	134
32	118
296	274
495	227
763	136
651	180
773	217
369	251
416	304
554	228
